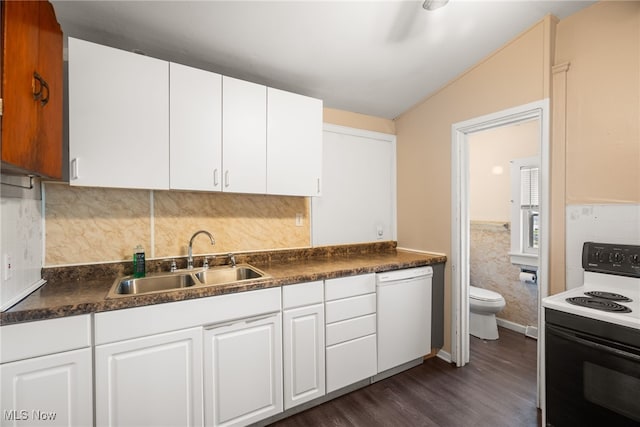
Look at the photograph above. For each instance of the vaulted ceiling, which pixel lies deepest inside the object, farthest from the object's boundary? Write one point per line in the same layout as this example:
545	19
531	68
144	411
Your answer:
372	57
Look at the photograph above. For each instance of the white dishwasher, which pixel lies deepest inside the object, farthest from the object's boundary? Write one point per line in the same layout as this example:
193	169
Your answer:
404	316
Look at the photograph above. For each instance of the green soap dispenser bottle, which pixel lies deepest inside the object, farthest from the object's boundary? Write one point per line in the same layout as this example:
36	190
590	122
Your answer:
138	261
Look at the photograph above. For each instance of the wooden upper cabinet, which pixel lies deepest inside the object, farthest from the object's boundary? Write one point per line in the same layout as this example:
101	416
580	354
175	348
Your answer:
31	89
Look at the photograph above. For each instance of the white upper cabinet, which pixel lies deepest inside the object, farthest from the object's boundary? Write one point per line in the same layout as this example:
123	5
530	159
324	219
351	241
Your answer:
244	127
196	129
140	122
118	118
294	144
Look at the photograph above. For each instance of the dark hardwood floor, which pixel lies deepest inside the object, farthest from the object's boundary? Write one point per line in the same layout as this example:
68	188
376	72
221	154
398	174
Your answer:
498	388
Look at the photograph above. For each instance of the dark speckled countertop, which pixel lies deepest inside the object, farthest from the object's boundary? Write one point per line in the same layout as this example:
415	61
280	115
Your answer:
83	289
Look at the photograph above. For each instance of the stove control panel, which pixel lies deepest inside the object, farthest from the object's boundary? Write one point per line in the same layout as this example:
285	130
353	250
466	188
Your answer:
622	260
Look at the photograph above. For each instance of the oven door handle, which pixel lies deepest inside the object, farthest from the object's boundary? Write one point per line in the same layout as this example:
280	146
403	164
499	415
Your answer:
593	345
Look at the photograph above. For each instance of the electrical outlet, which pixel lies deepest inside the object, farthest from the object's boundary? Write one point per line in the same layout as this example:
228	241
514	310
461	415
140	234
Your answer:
298	220
8	267
379	232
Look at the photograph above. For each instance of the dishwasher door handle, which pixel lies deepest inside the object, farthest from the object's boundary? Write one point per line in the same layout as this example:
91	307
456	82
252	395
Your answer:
402	275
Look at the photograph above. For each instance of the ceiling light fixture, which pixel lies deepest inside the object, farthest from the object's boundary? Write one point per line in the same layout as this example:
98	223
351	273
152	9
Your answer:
434	4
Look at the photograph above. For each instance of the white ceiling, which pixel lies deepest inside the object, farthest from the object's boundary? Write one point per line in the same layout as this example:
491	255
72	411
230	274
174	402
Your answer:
372	57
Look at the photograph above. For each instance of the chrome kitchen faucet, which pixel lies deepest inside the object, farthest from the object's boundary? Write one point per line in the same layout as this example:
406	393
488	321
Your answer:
190	257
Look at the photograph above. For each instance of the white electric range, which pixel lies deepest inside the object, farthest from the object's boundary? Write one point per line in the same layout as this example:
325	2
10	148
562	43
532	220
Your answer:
604	297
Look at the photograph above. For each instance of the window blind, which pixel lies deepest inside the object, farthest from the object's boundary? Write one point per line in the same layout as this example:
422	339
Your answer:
529	196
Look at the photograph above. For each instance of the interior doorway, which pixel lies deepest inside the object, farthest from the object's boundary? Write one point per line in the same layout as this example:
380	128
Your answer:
460	255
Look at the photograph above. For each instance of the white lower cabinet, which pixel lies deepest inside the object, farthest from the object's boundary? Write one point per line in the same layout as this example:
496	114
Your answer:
150	381
350	362
52	390
243	371
350	330
303	343
46	373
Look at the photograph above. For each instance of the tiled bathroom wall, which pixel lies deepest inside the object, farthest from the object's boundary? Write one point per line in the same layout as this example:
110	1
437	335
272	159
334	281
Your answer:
94	225
491	269
597	223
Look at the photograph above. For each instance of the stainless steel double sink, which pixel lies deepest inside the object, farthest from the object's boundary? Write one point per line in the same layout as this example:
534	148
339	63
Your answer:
181	279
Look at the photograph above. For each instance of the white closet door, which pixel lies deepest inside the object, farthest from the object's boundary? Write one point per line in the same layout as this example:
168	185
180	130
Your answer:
358	202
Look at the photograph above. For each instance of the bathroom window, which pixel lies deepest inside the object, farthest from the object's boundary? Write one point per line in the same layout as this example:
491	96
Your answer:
525	211
529	206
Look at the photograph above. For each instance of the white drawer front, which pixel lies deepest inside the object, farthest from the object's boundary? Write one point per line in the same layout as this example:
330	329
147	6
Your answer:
302	294
32	339
344	287
350	308
350	329
351	362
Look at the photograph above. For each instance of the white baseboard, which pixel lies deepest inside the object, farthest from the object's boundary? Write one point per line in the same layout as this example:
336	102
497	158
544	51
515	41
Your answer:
446	356
529	331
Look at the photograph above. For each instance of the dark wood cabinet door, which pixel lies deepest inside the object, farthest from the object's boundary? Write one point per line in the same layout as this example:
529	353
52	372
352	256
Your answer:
31	129
48	159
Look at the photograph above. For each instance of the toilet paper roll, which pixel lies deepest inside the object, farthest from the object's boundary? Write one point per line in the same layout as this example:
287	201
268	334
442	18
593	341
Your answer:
527	277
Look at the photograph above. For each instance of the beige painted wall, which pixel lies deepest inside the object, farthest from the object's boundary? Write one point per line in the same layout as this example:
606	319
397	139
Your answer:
601	160
490	154
359	121
514	75
602	46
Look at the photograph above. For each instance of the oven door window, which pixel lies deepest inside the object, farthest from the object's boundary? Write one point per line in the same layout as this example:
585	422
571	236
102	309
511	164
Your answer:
590	383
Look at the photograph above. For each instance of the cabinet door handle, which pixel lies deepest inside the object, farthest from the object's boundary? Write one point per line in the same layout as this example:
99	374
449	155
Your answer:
215	177
45	98
37	88
74	168
40	91
318	186
238	321
259	318
226	178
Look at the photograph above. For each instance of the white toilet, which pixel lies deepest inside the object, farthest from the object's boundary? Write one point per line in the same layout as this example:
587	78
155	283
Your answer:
483	306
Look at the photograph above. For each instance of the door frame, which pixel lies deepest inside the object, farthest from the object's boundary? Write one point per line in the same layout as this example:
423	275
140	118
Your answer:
460	230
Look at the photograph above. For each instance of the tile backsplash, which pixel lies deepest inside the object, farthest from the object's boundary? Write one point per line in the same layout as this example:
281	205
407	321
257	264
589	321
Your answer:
93	225
600	223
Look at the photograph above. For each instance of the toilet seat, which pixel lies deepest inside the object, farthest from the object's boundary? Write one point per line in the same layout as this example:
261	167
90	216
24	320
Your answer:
482	294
